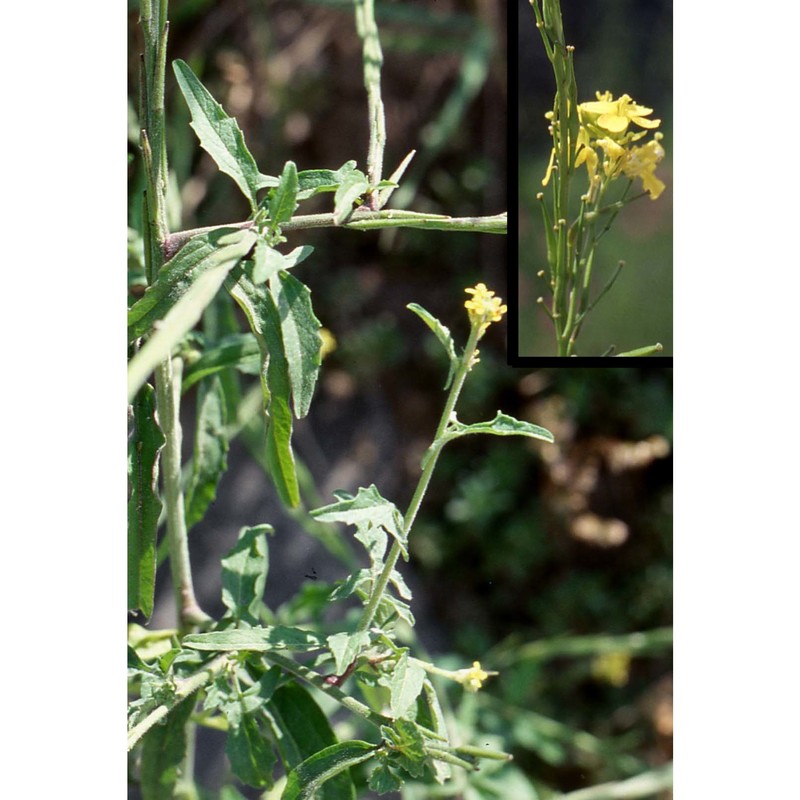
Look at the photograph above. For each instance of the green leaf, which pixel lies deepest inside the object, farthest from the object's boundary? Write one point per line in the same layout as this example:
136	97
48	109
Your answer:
353	185
442	334
429	714
163	751
301	339
251	756
283	199
219	134
407	744
407	680
244	573
501	425
259	307
383	780
648	350
239	350
210	458
184	314
260	640
314	181
345	647
308	778
201	253
367	507
303	730
144	504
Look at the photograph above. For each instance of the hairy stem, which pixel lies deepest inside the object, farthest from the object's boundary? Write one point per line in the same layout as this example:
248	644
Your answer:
361	220
168	388
430	460
184	688
373	60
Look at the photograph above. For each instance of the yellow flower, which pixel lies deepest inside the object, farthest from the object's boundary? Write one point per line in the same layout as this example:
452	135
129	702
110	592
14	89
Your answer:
641	162
614	116
484	308
472	679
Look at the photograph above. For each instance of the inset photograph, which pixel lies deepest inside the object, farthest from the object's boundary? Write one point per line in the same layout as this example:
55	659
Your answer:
594	180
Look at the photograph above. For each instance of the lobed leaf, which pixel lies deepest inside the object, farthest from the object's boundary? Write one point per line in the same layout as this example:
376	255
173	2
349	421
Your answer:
219	134
244	573
367	507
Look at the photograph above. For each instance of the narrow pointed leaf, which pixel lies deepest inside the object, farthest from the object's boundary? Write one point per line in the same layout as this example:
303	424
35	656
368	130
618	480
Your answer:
283	201
301	339
259	307
313	774
144	504
442	333
257	640
219	134
502	425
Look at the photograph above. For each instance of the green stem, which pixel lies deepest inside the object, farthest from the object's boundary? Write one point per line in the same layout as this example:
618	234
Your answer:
373	60
429	462
362	220
168	387
319	682
184	688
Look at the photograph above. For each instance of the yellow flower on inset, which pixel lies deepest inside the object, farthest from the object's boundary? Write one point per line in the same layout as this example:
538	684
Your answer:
484	308
614	116
472	679
641	162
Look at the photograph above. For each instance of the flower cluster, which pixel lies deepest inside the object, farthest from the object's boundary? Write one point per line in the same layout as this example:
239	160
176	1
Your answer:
606	142
484	308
